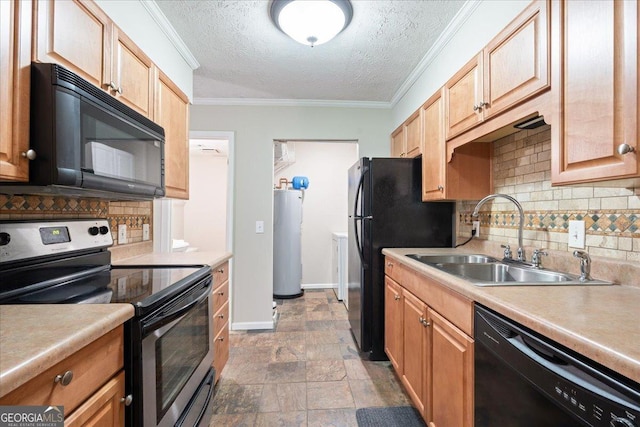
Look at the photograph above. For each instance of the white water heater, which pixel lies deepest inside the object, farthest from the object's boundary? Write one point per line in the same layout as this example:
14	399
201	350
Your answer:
287	234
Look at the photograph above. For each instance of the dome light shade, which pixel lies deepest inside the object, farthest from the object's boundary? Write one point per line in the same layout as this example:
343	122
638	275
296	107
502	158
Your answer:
311	22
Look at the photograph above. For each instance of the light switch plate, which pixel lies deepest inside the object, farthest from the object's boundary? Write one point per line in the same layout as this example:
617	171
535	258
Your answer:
576	234
259	227
145	231
122	234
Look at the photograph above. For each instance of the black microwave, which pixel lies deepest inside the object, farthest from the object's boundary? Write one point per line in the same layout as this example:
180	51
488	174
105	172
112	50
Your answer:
85	139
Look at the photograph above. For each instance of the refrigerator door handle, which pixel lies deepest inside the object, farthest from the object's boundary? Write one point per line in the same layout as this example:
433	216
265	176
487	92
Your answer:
359	218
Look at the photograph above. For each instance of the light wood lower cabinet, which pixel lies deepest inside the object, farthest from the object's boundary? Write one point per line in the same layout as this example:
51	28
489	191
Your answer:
437	348
95	393
393	323
220	317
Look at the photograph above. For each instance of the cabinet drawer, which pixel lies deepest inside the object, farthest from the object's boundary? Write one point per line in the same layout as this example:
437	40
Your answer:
220	274
221	350
92	366
220	318
220	296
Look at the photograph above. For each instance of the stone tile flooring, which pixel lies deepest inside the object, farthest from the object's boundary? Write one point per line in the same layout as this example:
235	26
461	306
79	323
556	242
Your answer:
307	372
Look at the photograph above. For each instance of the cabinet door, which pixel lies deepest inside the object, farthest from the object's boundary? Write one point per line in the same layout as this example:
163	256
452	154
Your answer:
15	61
413	131
451	374
595	91
397	142
434	156
132	74
76	35
516	62
103	408
172	113
393	334
462	96
415	355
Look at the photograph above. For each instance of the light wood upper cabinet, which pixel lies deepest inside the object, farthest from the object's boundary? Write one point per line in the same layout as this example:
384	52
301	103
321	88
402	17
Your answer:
172	113
406	140
75	34
595	91
397	142
462	96
516	61
512	68
133	74
413	131
15	60
393	323
466	176
451	374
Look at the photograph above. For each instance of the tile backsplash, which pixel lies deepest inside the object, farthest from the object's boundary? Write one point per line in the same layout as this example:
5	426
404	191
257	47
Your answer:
132	213
522	169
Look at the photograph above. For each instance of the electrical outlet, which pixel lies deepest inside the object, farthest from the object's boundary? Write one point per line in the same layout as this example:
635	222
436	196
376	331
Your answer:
145	231
122	234
259	227
476	227
576	234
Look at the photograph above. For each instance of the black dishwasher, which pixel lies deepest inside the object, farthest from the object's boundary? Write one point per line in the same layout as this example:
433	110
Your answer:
523	379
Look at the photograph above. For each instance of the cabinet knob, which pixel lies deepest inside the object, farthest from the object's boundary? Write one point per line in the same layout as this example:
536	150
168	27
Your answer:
64	379
220	270
440	188
221	293
29	154
127	400
625	148
476	107
424	321
389	264
221	339
221	316
396	297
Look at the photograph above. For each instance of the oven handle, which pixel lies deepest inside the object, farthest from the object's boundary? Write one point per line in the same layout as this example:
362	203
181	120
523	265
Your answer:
163	317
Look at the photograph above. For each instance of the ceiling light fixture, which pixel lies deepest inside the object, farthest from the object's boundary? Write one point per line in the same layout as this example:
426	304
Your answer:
311	22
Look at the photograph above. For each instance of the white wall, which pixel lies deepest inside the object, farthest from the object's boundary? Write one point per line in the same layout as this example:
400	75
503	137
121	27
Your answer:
255	129
134	19
484	23
324	210
205	213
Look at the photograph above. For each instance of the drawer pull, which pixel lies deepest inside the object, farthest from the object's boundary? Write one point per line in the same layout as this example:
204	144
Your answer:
127	400
221	270
64	379
221	293
424	322
221	316
221	339
389	264
396	297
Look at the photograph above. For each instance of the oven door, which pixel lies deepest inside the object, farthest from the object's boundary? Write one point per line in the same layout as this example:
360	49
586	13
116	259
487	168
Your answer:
177	353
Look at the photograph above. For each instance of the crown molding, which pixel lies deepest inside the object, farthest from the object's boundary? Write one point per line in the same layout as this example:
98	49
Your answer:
159	17
454	26
263	102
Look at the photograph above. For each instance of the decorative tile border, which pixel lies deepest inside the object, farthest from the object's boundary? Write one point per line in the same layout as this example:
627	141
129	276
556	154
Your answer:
46	205
132	222
621	223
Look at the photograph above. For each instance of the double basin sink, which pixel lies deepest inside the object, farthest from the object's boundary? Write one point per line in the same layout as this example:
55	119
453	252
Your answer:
482	270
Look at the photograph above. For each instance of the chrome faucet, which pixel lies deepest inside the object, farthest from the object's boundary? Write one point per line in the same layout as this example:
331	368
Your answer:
585	265
536	257
521	256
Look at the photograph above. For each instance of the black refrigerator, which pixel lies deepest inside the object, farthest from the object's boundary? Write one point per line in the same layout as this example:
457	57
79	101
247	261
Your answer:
386	211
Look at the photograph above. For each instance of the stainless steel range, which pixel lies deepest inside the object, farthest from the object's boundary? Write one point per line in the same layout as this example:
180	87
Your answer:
168	343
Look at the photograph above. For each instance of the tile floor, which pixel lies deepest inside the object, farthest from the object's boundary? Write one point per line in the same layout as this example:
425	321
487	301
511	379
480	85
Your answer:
305	373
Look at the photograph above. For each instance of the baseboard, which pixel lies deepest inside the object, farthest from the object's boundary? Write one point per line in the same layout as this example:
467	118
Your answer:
249	326
319	286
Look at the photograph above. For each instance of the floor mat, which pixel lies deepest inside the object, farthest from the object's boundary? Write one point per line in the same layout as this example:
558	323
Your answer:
393	416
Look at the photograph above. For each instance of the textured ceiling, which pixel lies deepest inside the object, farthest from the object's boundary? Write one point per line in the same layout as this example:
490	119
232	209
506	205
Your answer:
243	55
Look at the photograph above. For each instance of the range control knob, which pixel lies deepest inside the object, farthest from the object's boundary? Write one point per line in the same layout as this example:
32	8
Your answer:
93	231
621	422
104	229
5	238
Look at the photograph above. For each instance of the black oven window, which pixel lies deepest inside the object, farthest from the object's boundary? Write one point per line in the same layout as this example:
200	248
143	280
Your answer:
178	353
116	149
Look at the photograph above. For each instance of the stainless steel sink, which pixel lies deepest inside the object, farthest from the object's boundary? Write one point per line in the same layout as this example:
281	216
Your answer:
453	259
482	270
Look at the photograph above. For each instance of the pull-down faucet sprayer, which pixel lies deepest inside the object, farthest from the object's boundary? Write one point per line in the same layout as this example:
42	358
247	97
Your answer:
521	256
